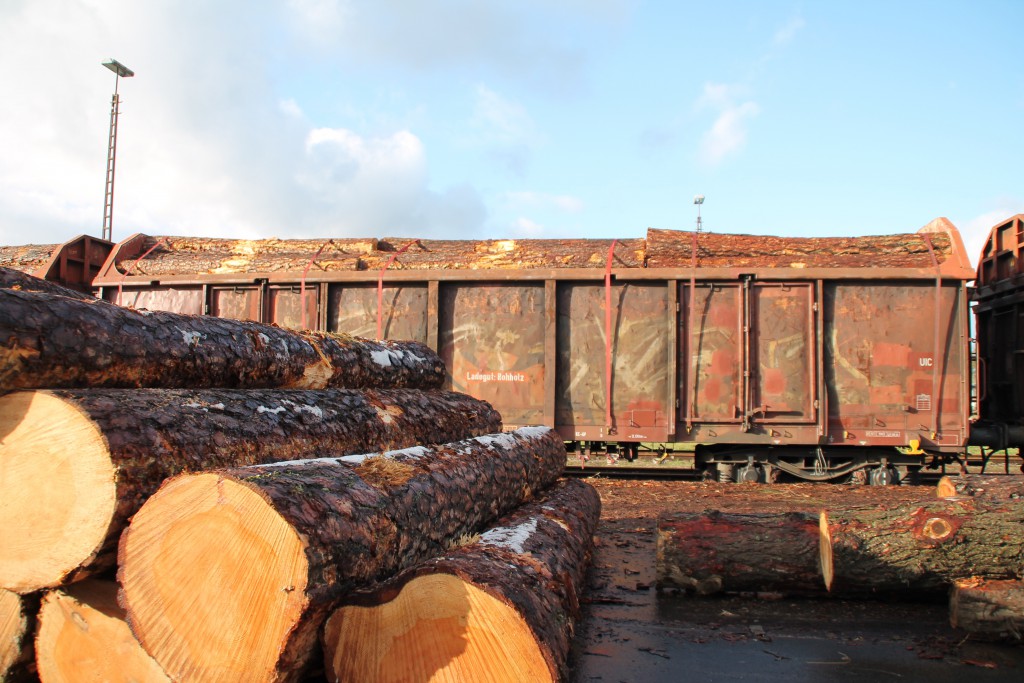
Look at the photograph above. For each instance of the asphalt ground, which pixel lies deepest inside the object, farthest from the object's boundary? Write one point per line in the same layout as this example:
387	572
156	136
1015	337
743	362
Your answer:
632	633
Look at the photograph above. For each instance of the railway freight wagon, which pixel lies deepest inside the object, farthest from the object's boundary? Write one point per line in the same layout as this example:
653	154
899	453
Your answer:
820	357
999	314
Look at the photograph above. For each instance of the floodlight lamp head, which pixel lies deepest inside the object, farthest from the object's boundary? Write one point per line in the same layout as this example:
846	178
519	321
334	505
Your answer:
118	68
699	199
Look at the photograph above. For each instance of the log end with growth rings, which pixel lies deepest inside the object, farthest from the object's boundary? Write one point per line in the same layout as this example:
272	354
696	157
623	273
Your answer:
57	490
438	628
15	628
184	560
82	631
825	550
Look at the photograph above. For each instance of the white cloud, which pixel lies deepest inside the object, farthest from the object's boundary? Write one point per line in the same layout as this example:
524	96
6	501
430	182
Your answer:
728	133
207	143
525	227
787	32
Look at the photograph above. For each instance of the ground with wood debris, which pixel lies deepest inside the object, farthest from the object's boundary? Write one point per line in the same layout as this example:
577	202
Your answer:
632	633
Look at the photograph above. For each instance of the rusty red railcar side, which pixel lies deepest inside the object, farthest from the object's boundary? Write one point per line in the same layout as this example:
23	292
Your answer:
816	356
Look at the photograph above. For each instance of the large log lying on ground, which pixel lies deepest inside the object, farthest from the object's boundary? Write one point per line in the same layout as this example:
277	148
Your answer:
500	608
228	575
83	636
51	341
709	552
989	609
17	624
75	464
990	485
922	548
16	279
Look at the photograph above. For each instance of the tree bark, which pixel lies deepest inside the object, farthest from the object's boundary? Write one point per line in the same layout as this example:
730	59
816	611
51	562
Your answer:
920	549
988	609
17	624
290	540
17	280
91	457
51	341
997	486
499	608
83	635
709	552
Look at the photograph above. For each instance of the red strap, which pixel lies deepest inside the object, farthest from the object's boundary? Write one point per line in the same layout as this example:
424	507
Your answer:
120	283
608	339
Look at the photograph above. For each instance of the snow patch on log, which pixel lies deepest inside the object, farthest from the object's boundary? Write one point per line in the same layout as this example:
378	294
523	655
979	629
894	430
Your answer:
205	407
411	453
191	337
511	537
382	358
277	411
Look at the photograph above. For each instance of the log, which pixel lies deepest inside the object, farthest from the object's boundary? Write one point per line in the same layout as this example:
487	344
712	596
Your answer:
83	634
17	624
499	608
922	548
992	610
712	551
51	342
89	458
229	574
18	280
991	485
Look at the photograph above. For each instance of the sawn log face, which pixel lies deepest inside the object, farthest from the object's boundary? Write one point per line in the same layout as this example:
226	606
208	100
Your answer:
354	524
148	435
51	341
533	560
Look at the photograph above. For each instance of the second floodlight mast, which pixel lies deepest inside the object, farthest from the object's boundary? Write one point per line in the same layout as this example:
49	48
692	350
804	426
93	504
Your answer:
120	71
698	200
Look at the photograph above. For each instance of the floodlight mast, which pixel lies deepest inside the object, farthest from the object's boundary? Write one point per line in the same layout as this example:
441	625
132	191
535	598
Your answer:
698	200
120	71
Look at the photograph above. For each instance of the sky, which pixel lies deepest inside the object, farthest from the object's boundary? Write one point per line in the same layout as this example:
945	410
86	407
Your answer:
463	119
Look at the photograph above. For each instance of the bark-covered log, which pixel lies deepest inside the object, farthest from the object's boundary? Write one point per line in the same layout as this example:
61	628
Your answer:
17	624
17	280
989	609
89	458
83	636
713	551
51	341
228	575
990	485
921	548
499	608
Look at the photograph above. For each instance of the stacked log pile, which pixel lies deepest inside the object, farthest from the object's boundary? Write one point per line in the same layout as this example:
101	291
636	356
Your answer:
239	480
500	607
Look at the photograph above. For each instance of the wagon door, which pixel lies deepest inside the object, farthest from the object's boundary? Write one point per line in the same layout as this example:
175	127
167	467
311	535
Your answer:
748	360
783	378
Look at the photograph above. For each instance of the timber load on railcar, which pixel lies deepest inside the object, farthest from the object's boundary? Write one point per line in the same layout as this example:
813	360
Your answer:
820	357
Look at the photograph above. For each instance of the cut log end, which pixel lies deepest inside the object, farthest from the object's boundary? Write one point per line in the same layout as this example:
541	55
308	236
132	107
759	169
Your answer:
82	629
15	642
55	463
946	488
825	550
438	628
227	533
